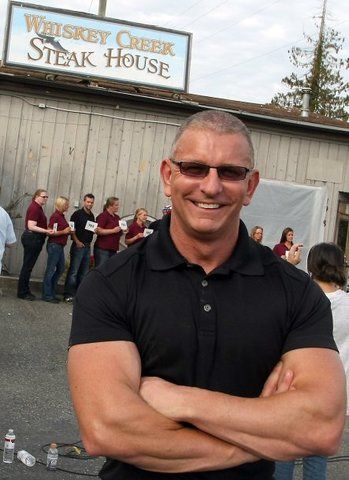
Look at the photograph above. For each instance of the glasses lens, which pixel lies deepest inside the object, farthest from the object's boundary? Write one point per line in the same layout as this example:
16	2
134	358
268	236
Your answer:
44	196
232	173
193	169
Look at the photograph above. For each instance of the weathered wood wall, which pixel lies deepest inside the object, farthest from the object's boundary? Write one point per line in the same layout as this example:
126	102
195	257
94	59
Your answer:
75	147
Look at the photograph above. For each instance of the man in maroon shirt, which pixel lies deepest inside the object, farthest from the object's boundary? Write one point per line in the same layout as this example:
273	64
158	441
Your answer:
108	232
32	239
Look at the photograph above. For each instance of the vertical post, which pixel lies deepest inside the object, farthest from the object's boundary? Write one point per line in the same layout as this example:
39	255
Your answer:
102	8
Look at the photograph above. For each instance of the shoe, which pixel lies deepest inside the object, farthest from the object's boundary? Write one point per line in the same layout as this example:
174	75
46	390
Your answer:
51	300
28	296
68	299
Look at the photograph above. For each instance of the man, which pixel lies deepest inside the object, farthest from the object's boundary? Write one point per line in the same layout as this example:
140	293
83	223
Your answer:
33	239
80	249
205	313
7	234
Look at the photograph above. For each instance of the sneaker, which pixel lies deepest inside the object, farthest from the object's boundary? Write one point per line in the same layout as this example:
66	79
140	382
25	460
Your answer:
68	299
28	296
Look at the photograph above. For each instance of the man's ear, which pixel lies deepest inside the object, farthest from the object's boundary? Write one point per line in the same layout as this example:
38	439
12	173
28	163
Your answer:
252	184
166	173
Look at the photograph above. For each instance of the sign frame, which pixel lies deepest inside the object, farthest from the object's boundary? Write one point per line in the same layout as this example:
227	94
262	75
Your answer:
128	56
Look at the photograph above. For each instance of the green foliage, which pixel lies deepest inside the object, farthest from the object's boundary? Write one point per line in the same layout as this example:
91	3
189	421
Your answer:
322	68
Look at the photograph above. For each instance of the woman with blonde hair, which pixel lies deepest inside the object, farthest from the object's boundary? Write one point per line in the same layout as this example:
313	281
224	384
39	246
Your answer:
136	231
257	234
55	250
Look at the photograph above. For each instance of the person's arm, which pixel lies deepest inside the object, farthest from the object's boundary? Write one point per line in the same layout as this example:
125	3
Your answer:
307	419
32	226
132	240
107	231
116	422
294	254
76	240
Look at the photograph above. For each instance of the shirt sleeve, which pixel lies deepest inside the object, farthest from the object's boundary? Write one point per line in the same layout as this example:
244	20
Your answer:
102	316
311	320
10	233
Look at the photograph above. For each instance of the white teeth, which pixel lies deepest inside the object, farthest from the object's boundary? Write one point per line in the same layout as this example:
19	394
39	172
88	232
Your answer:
207	205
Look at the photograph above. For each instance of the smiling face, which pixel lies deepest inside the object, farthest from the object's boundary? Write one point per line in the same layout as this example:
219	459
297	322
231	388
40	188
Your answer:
208	208
258	235
289	236
142	216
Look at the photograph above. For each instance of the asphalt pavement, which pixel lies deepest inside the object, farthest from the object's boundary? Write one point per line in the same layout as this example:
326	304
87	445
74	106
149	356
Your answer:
35	398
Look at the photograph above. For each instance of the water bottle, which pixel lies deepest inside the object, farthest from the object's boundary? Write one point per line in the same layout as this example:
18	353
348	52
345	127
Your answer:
9	447
26	458
52	457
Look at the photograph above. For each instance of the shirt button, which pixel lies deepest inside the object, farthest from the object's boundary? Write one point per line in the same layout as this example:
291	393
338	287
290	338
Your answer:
207	307
204	283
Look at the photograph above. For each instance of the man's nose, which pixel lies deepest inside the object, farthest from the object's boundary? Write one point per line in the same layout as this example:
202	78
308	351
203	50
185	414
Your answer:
211	185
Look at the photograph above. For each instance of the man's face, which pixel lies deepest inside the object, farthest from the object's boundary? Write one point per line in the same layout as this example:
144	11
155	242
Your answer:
88	204
208	207
42	198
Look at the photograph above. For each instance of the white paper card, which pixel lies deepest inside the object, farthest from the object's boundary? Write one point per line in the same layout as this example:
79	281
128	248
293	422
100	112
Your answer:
123	224
147	231
91	225
72	225
55	226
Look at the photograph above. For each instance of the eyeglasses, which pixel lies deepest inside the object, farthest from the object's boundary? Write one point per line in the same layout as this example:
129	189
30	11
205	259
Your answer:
231	173
44	196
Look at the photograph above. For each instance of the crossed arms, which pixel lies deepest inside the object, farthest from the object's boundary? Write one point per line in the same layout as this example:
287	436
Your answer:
300	412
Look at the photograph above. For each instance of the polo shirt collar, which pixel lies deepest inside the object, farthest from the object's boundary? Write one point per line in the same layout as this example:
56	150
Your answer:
163	255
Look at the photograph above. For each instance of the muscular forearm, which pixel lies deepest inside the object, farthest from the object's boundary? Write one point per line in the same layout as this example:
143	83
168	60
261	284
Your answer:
307	419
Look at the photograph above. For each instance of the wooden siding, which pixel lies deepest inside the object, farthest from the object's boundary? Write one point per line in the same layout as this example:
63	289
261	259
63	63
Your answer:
75	147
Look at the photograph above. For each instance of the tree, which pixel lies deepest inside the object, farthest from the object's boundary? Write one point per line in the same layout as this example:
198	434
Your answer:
323	74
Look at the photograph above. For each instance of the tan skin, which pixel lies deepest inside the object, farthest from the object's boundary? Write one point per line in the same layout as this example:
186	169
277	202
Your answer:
135	426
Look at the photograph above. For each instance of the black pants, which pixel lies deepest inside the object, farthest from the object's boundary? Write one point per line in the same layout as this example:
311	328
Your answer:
32	243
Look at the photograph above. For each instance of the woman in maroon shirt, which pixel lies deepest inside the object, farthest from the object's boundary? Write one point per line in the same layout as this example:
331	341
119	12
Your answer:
33	239
286	242
108	232
135	232
55	250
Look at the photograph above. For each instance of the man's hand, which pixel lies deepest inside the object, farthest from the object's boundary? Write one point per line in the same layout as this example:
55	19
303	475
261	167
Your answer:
165	397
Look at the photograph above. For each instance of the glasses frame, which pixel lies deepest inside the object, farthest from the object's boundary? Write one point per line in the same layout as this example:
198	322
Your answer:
43	196
206	169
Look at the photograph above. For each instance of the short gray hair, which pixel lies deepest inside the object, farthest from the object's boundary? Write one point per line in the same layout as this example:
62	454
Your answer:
217	121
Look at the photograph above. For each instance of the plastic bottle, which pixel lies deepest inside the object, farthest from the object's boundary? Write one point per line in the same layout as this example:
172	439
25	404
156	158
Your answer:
26	458
9	447
52	457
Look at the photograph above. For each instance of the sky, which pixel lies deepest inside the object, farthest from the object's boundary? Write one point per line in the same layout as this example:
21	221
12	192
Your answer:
239	47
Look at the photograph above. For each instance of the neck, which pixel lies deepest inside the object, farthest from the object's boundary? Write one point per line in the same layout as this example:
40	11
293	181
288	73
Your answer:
87	210
139	221
209	252
328	287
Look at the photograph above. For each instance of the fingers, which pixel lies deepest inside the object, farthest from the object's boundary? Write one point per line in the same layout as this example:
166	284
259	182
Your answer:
271	383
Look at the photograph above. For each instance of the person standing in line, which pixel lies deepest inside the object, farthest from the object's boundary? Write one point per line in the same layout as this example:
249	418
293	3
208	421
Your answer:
135	233
257	234
286	241
33	239
176	363
326	267
108	232
80	249
7	234
55	250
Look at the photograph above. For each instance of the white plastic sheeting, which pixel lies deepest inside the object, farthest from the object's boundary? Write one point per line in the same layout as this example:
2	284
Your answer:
277	205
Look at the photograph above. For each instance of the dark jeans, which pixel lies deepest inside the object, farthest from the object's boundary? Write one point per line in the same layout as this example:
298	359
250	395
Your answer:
32	244
102	255
54	269
314	468
78	268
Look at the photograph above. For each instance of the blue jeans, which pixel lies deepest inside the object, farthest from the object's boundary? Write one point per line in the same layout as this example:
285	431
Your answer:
78	268
54	269
32	243
314	468
101	255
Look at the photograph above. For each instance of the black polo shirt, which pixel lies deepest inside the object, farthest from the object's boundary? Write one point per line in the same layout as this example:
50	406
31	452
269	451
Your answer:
224	331
80	218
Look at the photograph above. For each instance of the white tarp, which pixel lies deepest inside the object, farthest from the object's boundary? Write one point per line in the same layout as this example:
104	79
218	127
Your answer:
277	205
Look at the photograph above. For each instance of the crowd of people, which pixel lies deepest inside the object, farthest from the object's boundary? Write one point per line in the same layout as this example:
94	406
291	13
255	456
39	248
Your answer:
82	227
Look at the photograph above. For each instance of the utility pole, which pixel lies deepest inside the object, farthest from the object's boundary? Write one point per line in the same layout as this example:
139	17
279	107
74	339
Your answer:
102	8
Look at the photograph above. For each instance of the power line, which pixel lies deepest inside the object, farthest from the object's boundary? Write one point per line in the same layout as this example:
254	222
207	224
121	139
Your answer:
186	10
205	14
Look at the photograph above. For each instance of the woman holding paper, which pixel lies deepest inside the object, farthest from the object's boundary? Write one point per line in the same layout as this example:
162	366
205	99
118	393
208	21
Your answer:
55	250
136	231
108	232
